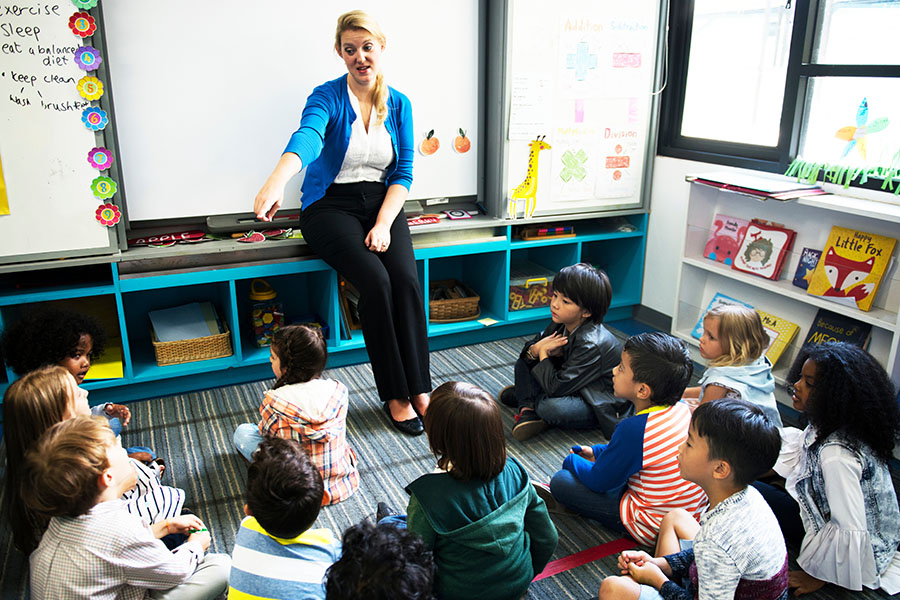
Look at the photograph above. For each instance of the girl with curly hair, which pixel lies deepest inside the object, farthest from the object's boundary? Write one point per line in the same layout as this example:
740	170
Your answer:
839	499
309	408
56	336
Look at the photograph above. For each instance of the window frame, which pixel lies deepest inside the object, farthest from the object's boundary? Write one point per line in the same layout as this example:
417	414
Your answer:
799	69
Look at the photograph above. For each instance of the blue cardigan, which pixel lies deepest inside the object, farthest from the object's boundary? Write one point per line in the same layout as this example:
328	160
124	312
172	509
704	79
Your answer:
324	134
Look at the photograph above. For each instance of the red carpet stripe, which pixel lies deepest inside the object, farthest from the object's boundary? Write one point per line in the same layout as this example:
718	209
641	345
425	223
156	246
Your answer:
584	557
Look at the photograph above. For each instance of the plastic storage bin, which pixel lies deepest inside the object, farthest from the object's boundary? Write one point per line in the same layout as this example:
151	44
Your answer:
529	285
266	313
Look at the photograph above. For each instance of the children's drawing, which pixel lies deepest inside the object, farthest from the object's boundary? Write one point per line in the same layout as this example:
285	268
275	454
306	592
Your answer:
856	136
462	144
527	190
430	144
573	165
108	214
87	58
581	61
90	88
82	24
100	158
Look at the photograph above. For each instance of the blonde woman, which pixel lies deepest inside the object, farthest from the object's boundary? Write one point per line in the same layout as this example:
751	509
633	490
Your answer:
356	142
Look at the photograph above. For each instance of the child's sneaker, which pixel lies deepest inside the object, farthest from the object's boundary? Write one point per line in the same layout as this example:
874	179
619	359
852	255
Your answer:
507	396
543	492
528	424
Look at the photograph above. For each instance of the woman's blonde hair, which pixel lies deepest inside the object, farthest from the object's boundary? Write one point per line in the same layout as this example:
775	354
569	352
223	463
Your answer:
356	20
741	335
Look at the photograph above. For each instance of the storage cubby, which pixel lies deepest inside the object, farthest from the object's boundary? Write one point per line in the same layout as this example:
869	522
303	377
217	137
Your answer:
812	218
303	297
137	306
622	259
477	252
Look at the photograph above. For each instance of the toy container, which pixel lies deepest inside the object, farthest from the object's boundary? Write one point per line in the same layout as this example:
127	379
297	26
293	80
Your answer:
266	313
529	285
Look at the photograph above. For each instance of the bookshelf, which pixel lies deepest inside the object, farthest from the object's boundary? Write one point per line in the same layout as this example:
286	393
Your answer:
700	278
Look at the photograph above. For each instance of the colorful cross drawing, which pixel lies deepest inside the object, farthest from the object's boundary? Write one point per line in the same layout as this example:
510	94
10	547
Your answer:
581	61
573	162
856	136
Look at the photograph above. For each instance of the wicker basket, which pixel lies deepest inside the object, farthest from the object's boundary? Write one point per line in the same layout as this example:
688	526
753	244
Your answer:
453	309
183	351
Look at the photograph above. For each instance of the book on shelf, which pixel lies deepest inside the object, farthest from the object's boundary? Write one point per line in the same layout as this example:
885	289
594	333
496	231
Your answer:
717	300
764	249
852	266
349	301
780	331
832	327
809	258
725	238
761	188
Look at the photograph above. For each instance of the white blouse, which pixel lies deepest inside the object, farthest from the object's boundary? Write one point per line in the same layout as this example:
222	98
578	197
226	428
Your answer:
841	551
369	153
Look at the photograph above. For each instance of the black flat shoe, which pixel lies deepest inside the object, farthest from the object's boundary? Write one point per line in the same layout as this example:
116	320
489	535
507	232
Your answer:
382	511
409	427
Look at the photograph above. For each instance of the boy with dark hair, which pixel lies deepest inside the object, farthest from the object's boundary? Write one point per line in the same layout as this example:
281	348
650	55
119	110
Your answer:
739	551
93	548
563	376
631	482
276	554
381	563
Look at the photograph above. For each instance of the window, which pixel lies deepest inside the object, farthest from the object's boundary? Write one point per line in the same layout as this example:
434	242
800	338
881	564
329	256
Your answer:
765	84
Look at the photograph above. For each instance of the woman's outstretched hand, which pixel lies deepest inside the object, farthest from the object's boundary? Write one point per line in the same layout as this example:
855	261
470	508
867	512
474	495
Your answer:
271	195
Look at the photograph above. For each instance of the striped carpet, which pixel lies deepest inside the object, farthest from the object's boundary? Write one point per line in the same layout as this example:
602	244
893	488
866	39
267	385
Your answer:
193	433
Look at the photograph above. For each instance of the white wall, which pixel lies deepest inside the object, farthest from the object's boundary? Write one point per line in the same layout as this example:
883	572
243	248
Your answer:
668	208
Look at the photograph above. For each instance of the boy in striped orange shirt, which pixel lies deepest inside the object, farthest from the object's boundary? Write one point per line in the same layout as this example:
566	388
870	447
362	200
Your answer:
629	484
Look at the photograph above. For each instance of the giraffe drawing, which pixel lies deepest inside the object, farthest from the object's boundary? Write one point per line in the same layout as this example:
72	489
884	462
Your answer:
528	188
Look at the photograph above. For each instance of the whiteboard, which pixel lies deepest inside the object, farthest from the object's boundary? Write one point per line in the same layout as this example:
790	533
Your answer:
582	73
207	94
43	143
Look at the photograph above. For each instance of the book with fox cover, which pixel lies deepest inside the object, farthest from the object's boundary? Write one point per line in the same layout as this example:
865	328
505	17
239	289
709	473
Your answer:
851	267
780	331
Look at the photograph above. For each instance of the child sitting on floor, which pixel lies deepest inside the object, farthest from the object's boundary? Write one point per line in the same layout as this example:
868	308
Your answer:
381	563
734	342
32	405
55	336
309	408
738	551
276	554
478	512
629	484
93	548
838	501
563	377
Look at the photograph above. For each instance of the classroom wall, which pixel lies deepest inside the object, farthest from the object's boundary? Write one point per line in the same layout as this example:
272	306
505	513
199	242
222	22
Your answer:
665	229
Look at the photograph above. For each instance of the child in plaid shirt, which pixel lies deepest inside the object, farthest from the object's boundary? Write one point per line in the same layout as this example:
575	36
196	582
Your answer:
304	406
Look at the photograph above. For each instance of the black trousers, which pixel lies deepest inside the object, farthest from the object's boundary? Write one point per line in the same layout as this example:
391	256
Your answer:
391	304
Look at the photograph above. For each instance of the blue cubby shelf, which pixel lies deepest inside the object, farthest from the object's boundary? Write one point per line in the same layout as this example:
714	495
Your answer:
308	287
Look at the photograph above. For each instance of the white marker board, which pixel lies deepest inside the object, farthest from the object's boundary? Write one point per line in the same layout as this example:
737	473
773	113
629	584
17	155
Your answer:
207	94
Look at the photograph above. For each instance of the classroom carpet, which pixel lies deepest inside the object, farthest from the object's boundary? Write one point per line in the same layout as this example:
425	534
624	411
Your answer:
193	433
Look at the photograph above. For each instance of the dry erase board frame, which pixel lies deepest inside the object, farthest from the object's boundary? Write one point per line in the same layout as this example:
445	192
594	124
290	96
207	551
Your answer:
533	90
207	99
44	150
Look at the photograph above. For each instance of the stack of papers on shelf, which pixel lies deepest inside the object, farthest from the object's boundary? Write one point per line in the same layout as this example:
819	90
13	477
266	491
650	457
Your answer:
762	188
109	365
194	320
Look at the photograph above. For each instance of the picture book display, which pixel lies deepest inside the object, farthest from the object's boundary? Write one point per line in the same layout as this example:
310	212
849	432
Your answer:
851	267
764	249
725	238
717	300
832	327
780	331
809	258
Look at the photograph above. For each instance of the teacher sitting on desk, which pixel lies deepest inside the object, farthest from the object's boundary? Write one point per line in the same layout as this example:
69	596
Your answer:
356	142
